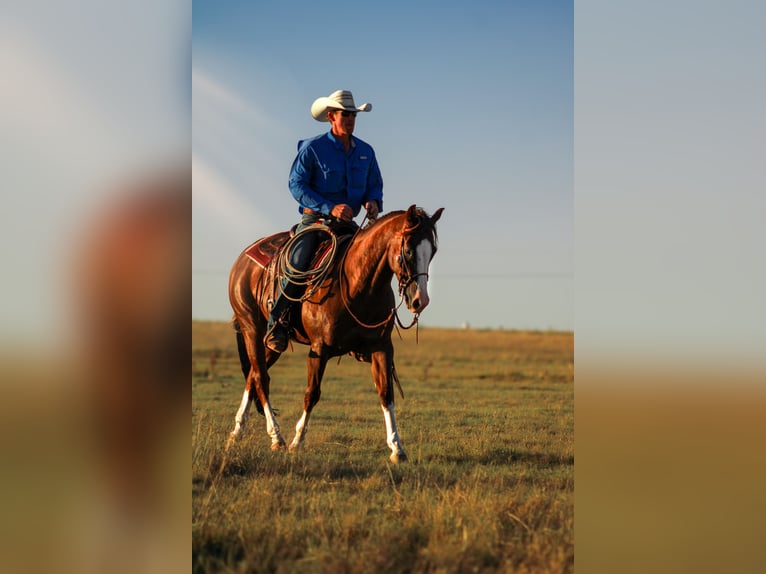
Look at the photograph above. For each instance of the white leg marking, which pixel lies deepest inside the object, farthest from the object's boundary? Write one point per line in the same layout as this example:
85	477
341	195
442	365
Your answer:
300	431
241	417
392	435
272	427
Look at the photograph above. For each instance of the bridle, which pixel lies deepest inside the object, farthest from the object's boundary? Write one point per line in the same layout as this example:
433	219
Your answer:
404	279
408	276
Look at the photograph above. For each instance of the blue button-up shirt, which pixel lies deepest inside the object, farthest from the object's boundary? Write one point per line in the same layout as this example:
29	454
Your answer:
323	176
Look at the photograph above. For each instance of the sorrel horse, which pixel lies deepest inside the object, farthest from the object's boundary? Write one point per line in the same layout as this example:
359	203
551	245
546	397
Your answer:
352	311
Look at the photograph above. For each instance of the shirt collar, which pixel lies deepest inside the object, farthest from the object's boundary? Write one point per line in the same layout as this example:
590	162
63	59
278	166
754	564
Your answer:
338	143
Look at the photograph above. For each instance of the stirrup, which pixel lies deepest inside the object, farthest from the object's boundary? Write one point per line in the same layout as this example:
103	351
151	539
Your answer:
277	337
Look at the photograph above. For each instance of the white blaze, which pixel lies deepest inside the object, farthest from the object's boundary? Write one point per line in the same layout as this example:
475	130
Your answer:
423	255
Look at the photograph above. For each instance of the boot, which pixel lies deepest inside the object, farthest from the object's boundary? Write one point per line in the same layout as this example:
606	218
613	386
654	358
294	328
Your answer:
277	335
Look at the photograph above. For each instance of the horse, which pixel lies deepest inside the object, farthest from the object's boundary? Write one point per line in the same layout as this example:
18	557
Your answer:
352	310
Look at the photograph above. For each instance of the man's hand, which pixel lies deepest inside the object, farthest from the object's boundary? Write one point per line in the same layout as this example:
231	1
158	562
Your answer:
342	212
372	209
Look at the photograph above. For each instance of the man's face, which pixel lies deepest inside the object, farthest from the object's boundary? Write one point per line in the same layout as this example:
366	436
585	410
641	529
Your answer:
342	122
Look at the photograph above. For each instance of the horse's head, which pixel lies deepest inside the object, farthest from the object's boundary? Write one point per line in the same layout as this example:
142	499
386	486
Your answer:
418	246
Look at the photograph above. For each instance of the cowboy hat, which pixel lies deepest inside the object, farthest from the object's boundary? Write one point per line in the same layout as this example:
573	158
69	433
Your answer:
340	100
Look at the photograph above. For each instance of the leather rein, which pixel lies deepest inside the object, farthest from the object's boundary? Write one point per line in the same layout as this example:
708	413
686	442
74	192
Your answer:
406	278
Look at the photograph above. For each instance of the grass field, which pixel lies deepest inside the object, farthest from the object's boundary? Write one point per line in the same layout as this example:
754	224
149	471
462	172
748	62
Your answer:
488	424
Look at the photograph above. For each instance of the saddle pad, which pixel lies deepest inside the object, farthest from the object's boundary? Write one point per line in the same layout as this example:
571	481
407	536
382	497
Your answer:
263	250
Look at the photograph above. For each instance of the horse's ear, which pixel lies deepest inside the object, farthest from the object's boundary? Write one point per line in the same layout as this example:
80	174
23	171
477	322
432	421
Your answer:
412	215
437	214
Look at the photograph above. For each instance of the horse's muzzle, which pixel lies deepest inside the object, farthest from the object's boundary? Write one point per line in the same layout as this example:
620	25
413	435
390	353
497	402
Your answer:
419	301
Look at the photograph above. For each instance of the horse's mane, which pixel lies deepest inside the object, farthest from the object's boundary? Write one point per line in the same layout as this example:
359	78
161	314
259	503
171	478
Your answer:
386	217
392	214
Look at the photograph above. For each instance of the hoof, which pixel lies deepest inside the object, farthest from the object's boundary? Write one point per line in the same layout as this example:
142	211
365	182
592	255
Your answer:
278	446
295	447
397	458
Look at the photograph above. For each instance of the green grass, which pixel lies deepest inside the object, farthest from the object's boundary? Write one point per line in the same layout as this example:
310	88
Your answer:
487	422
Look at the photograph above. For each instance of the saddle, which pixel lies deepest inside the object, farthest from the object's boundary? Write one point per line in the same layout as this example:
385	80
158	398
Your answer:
266	249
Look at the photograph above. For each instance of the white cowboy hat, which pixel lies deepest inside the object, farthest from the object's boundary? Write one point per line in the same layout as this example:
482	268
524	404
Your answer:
340	100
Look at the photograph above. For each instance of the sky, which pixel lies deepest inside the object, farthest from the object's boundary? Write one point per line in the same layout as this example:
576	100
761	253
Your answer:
77	123
651	246
472	111
669	184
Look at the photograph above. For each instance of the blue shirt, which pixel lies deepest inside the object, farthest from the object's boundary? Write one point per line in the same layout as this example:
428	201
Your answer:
322	175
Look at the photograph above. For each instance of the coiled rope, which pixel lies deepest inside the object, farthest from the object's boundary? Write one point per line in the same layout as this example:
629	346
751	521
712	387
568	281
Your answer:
314	275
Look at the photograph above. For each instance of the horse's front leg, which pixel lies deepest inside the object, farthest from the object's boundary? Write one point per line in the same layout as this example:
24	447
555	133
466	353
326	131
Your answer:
316	366
382	374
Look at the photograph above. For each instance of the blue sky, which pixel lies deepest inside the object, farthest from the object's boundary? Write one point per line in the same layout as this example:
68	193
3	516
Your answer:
85	110
472	111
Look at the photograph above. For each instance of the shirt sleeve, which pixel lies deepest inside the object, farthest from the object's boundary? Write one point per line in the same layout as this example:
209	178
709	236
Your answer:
301	173
374	184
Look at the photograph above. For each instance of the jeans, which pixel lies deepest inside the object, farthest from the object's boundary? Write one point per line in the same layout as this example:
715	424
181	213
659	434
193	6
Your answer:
301	255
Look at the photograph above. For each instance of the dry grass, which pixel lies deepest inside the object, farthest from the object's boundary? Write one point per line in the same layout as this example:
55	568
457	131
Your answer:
488	423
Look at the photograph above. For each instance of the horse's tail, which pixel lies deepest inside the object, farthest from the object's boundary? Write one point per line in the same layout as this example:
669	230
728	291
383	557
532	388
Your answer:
244	359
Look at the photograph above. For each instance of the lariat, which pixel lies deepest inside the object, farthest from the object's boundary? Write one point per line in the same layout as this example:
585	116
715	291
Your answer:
312	277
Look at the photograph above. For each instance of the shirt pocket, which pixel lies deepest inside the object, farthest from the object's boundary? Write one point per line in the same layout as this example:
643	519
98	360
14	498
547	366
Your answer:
359	176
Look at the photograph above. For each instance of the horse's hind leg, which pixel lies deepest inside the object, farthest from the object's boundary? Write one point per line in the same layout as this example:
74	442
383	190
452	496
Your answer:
316	366
257	388
382	374
248	397
242	413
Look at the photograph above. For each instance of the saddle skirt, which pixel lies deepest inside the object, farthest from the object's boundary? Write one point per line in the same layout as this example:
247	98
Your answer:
266	249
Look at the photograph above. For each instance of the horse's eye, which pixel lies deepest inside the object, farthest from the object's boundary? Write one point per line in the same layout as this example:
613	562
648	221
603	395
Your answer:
407	253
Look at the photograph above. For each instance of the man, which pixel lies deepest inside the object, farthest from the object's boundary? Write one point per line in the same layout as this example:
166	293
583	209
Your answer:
333	176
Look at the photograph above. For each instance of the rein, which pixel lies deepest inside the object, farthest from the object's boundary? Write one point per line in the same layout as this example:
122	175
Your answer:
394	311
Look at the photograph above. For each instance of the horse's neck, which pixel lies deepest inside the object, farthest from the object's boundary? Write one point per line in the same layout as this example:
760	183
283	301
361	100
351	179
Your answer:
366	266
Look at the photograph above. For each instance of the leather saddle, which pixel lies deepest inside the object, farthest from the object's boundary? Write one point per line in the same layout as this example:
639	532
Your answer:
264	250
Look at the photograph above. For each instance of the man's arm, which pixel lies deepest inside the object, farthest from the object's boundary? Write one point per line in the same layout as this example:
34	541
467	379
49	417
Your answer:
373	198
301	173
